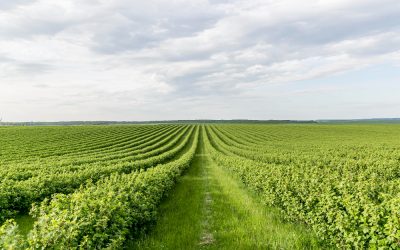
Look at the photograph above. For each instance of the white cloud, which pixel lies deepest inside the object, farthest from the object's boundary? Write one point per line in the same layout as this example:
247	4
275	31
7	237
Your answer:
121	55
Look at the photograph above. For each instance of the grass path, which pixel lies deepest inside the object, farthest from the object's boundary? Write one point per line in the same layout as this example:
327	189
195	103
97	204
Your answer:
179	224
210	209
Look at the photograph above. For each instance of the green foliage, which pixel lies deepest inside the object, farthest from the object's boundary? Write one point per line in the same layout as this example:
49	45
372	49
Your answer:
102	214
9	236
93	186
345	188
18	193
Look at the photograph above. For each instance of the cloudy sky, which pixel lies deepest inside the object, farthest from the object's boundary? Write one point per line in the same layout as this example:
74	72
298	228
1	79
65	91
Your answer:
197	59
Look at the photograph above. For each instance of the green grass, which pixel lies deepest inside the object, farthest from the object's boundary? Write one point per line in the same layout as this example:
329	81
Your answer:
210	209
180	216
25	223
241	221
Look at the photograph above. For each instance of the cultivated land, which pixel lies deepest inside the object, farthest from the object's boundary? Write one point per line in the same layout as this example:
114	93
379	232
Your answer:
215	186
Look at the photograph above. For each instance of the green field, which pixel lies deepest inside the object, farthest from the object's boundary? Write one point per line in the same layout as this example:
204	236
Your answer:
200	186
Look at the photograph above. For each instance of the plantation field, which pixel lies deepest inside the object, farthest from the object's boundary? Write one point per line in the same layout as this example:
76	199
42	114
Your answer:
197	186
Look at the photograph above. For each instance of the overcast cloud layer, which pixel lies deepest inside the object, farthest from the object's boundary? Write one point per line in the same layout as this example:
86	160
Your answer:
191	59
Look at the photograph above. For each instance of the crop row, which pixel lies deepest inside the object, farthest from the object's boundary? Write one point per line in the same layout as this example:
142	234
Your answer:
73	147
130	152
17	196
37	141
354	204
103	214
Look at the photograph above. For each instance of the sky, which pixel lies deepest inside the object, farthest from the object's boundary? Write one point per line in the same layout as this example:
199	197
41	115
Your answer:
197	59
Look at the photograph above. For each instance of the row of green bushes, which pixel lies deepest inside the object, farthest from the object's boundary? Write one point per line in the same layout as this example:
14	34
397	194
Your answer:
349	206
17	196
31	167
100	215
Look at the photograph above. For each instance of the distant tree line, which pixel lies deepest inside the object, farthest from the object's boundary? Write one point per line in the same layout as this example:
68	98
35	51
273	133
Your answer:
74	123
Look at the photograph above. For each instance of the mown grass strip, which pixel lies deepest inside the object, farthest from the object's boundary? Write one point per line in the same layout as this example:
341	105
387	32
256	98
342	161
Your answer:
210	209
180	215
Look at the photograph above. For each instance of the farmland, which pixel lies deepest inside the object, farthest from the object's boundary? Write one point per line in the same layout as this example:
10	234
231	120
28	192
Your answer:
200	186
